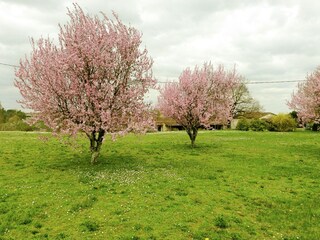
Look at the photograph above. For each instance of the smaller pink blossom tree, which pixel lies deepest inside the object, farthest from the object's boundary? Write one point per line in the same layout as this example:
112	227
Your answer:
93	81
306	100
201	97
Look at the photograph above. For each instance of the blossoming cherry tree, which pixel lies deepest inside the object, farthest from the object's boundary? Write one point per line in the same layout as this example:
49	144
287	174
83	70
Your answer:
201	97
92	80
306	100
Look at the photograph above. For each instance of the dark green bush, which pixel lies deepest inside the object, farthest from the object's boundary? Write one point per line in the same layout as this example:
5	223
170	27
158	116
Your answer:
243	124
315	127
16	126
258	125
14	120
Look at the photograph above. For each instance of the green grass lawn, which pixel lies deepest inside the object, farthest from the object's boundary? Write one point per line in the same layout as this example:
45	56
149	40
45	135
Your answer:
233	185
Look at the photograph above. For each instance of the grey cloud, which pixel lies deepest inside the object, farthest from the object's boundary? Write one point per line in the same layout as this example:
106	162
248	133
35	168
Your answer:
37	4
183	33
126	9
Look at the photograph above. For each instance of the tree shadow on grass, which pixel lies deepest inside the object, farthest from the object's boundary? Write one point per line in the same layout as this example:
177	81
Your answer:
199	147
107	161
118	157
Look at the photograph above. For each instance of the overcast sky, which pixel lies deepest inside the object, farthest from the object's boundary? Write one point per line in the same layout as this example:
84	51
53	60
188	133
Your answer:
273	40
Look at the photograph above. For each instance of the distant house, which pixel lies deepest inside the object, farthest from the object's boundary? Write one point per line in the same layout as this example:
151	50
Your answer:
267	116
168	124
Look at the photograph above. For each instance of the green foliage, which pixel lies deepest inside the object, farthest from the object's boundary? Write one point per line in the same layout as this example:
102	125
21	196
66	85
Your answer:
316	127
243	103
2	115
243	124
15	113
294	115
309	126
14	120
232	185
283	123
258	125
16	126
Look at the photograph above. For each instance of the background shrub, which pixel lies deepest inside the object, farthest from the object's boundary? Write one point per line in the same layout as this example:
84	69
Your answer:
16	126
315	126
243	124
258	125
283	123
14	120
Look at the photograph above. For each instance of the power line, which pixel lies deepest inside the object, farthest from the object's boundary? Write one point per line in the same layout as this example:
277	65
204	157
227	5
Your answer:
7	64
256	82
280	81
164	82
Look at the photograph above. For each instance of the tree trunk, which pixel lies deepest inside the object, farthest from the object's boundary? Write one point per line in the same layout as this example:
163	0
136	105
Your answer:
192	132
96	139
95	152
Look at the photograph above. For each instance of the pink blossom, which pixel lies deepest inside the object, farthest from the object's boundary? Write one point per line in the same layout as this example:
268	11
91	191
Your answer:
306	100
93	81
200	98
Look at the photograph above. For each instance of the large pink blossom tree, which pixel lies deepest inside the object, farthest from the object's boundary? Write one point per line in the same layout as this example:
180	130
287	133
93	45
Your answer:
93	80
202	96
306	100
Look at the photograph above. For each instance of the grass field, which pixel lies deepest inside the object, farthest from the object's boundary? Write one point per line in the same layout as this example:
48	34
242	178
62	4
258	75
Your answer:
233	185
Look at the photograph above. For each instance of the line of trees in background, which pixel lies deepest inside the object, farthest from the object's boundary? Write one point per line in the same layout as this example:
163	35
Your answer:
277	123
15	120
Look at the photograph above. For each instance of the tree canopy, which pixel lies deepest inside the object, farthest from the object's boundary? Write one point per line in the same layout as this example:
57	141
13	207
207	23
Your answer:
243	102
306	100
202	96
